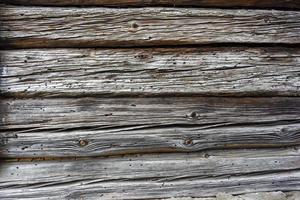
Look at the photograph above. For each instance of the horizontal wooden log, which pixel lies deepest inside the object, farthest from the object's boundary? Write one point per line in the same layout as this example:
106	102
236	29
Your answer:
153	176
278	195
146	72
290	4
25	27
93	126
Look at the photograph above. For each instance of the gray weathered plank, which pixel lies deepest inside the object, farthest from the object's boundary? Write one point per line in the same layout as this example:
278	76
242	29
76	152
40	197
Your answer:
278	195
153	176
289	4
95	126
185	71
26	27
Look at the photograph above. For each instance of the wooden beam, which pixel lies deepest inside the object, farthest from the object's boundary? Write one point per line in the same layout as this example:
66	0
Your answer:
95	126
153	176
151	72
291	4
278	195
25	27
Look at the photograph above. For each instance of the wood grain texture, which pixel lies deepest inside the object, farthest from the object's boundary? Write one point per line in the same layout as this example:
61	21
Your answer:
26	27
153	176
95	126
278	195
286	4
151	72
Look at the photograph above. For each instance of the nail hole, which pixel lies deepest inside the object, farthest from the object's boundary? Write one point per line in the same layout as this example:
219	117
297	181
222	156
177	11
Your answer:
188	142
83	143
134	25
206	155
194	114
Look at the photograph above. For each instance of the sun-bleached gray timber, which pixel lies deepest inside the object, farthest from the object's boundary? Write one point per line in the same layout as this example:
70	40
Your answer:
279	195
105	126
151	72
154	175
27	27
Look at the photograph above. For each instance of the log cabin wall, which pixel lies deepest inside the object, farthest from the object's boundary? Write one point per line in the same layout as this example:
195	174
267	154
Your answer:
164	99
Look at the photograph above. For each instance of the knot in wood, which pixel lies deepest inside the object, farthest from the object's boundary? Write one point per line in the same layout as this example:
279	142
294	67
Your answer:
134	25
83	143
188	142
206	155
142	56
194	115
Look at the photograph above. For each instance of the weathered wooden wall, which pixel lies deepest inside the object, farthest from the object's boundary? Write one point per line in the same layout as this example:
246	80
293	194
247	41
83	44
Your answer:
131	99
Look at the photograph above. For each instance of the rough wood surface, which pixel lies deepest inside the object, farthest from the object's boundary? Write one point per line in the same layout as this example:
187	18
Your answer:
46	129
153	176
184	71
278	195
26	27
287	4
95	126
